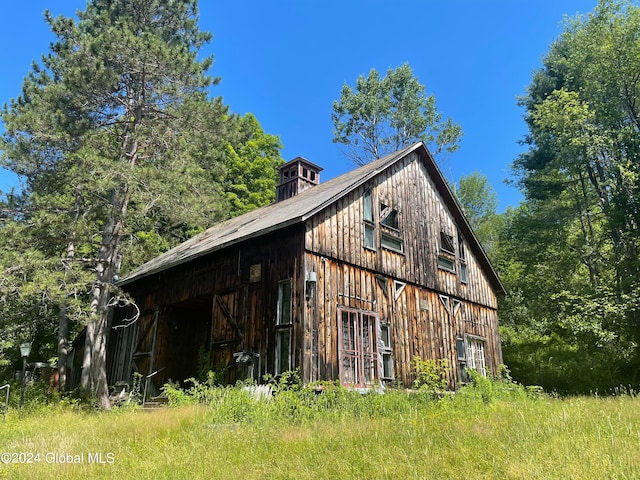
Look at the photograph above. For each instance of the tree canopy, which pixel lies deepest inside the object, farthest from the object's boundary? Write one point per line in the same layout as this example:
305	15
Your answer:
383	115
123	154
573	246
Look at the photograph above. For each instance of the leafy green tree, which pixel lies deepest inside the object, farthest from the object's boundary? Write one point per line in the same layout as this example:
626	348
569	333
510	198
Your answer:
479	202
383	115
252	160
575	241
121	150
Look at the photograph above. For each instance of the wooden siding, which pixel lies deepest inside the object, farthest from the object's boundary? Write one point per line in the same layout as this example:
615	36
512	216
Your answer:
225	302
352	275
421	325
338	233
222	304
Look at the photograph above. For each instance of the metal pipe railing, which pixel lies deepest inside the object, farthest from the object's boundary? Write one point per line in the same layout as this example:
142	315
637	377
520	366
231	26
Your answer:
6	401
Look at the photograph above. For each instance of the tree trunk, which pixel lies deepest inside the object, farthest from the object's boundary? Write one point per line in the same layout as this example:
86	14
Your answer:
63	348
109	264
63	326
106	269
85	378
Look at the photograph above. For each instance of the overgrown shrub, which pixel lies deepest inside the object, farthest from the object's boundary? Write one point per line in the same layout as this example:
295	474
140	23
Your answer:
430	376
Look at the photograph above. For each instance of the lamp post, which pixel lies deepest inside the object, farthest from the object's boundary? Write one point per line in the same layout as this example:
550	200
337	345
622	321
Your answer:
25	350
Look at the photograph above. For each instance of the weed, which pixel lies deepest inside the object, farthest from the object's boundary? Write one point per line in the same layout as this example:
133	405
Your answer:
430	376
326	431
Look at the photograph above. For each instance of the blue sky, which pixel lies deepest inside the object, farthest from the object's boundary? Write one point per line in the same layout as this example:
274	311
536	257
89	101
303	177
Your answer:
286	61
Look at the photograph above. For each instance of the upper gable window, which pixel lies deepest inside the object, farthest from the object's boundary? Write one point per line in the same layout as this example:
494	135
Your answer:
450	258
462	260
369	226
369	236
368	206
446	253
446	244
390	237
389	217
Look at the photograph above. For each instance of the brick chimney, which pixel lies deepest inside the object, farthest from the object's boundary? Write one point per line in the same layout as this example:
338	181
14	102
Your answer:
296	176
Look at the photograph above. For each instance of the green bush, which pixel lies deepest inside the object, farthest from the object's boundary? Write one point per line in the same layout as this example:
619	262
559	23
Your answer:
430	376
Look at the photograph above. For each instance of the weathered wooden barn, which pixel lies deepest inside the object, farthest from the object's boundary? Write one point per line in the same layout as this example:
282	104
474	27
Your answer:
347	279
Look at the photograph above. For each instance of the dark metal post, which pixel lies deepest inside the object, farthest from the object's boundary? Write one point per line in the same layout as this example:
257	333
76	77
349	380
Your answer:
23	382
25	350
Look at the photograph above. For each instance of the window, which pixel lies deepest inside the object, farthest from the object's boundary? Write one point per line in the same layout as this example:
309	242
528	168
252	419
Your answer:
283	328
384	284
470	351
462	260
475	354
446	244
368	206
389	217
357	348
369	227
446	263
392	242
457	305
463	273
445	301
462	361
390	234
369	236
398	287
470	355
385	350
446	253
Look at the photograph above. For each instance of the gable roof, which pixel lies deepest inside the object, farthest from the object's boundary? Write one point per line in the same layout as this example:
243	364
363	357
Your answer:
303	206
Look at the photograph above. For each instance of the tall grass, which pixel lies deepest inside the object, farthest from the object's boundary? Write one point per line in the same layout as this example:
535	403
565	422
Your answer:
484	431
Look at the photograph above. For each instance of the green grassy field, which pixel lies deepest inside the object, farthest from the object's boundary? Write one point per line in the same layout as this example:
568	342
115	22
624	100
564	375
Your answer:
333	435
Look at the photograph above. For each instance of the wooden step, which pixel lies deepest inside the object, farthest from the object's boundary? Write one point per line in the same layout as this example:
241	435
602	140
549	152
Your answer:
156	402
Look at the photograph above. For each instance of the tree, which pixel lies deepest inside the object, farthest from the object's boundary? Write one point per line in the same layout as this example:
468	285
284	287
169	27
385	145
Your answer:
252	160
114	134
576	240
479	203
383	115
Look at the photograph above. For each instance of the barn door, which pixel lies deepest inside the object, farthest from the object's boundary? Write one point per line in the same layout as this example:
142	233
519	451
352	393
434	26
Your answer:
228	325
